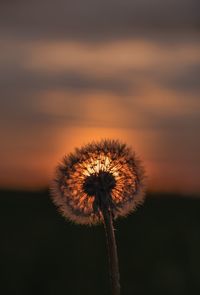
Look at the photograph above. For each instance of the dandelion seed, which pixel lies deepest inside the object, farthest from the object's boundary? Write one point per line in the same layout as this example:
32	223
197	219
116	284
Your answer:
98	183
107	166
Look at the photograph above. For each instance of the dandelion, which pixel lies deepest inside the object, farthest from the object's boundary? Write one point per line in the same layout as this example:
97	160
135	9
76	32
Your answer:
97	184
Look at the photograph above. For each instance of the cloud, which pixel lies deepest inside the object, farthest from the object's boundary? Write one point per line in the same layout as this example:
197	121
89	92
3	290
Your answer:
136	75
186	79
96	20
36	81
58	89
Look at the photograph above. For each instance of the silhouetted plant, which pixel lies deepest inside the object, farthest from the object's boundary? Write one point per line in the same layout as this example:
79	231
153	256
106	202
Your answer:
98	183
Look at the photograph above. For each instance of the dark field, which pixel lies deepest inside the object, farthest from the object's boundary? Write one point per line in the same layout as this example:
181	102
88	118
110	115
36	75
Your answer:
41	253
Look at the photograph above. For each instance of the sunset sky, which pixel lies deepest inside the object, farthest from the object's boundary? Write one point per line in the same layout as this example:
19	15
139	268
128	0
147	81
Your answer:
77	71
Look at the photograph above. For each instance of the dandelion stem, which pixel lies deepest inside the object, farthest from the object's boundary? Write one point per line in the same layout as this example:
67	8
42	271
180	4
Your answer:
112	250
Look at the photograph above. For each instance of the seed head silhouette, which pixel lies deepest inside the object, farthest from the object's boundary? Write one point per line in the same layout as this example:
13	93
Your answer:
98	183
106	167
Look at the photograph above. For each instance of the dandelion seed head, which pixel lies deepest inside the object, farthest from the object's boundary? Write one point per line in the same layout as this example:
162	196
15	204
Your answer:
100	173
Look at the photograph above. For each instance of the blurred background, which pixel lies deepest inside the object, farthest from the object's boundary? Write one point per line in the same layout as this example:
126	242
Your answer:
73	72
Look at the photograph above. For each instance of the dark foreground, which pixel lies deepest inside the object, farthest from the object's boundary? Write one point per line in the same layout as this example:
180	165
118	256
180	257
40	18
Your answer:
41	253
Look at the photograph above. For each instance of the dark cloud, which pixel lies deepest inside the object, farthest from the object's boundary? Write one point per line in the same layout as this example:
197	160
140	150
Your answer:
186	79
96	20
25	81
181	77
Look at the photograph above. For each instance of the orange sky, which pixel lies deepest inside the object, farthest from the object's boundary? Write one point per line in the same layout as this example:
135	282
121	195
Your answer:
33	145
59	91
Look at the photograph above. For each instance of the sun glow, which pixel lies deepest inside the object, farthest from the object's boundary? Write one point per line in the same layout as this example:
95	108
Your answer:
102	163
